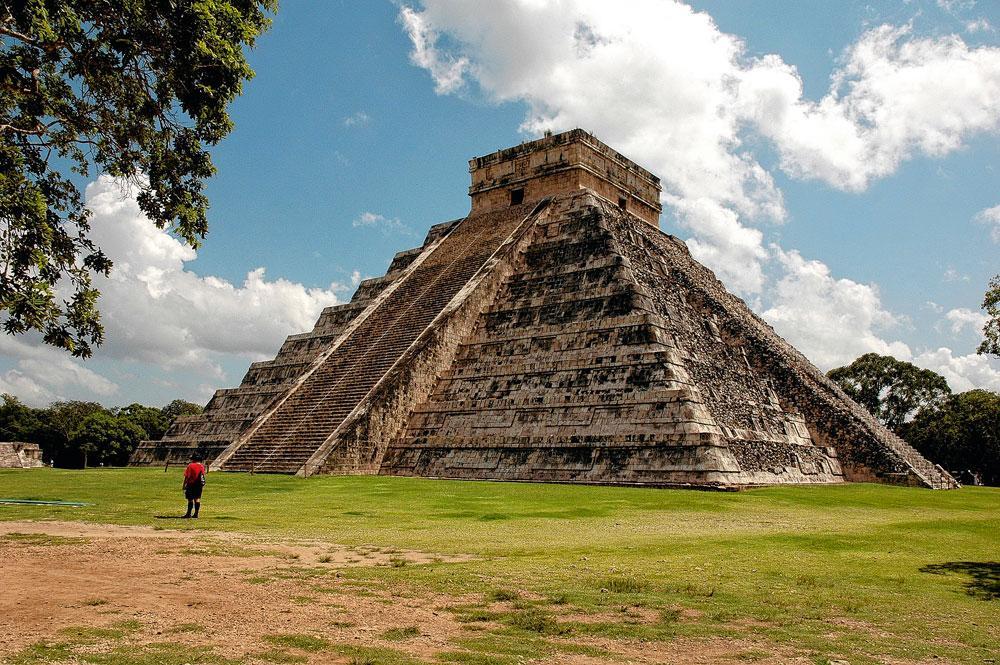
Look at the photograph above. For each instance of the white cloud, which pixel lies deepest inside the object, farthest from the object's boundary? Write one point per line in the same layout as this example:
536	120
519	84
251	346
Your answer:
894	96
953	6
979	25
661	82
990	217
43	374
735	251
386	225
962	372
961	318
832	321
158	313
446	70
358	119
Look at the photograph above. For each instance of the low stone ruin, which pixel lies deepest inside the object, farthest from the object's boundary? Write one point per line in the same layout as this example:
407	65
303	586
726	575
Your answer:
17	455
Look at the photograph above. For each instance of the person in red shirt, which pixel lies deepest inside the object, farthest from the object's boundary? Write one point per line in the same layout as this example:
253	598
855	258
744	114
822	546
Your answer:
194	481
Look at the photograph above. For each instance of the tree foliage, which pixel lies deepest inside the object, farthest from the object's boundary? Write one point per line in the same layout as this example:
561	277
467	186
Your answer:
991	331
154	422
74	434
961	434
136	89
892	390
107	438
179	407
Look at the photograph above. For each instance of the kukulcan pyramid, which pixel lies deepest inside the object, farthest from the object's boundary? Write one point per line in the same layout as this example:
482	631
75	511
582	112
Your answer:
554	334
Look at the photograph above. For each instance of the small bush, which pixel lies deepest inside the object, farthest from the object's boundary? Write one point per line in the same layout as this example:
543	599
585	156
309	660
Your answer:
476	616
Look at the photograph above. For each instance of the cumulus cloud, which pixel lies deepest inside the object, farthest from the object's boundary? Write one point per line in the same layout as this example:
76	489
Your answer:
990	218
43	374
158	312
735	251
895	96
448	71
961	318
953	6
963	372
662	83
832	321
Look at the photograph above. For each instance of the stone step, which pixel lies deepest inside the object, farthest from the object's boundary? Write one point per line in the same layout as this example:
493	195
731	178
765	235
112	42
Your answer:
307	418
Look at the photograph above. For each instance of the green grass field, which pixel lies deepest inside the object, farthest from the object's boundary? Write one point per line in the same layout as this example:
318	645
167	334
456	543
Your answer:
860	572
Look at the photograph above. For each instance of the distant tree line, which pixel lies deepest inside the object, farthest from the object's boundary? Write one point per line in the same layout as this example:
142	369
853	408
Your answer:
78	434
961	432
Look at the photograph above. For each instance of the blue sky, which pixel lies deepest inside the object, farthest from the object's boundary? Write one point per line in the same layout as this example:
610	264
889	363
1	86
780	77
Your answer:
853	217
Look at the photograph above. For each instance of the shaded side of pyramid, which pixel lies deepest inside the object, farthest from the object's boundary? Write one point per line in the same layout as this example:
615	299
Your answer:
867	450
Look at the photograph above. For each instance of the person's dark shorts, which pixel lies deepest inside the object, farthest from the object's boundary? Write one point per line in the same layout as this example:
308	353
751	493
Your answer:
192	492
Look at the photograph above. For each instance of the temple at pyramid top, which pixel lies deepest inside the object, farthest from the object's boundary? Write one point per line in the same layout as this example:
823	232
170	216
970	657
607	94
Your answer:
561	164
553	334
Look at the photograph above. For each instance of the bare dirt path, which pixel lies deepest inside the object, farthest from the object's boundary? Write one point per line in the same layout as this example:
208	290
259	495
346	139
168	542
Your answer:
230	591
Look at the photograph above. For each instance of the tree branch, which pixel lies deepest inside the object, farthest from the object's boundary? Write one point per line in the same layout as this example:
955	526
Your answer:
38	131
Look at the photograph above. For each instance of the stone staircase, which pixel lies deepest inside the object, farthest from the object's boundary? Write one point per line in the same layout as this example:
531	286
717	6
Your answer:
929	474
285	439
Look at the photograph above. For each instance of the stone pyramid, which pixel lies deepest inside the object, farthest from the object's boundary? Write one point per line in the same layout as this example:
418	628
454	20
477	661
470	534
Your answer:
554	334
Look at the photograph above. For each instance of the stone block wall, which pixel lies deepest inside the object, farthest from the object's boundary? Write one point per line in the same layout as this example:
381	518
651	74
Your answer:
19	455
563	164
866	450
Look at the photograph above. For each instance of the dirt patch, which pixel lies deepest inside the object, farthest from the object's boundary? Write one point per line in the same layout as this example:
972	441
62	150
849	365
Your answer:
234	544
231	592
217	587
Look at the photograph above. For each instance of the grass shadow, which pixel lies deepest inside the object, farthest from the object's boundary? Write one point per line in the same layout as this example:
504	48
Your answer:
985	576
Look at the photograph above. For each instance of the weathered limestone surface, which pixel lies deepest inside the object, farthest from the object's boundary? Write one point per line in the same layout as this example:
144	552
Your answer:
555	334
579	372
17	455
288	437
563	164
231	411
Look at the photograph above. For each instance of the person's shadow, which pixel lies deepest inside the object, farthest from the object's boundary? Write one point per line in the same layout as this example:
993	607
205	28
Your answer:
984	582
170	517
